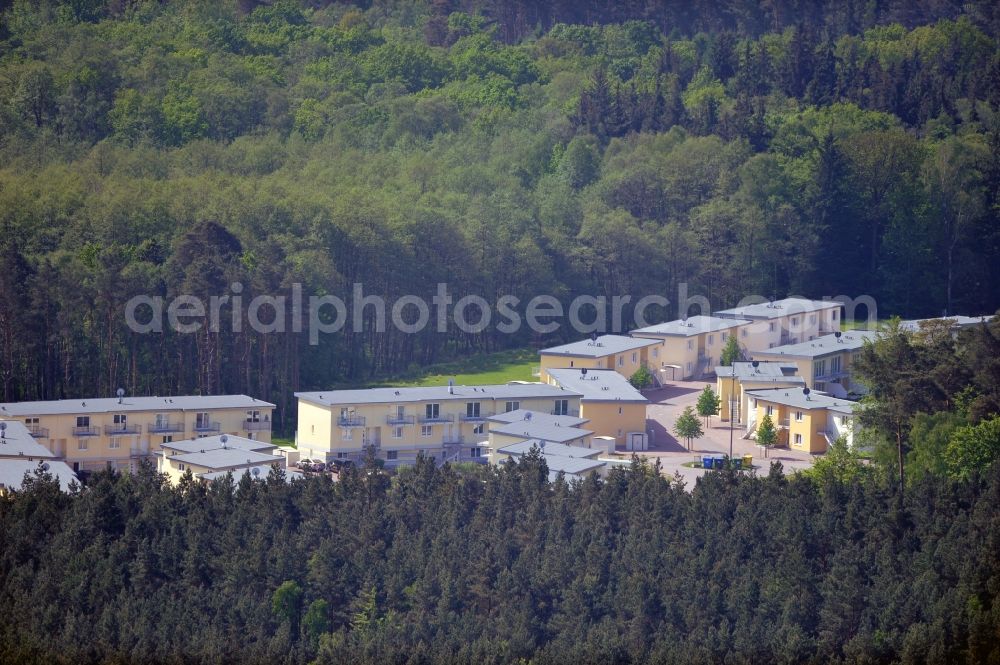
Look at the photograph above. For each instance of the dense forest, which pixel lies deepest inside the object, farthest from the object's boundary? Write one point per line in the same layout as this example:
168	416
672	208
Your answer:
506	148
485	566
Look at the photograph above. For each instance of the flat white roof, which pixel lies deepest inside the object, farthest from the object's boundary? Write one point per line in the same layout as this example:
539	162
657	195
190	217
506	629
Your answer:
13	471
795	397
228	458
519	415
510	391
821	346
598	385
127	404
604	345
215	442
16	441
694	325
777	308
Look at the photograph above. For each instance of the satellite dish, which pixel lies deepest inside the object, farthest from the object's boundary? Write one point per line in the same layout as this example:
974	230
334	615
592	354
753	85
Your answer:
255	471
120	392
756	363
224	439
584	371
805	391
527	416
45	466
541	446
837	334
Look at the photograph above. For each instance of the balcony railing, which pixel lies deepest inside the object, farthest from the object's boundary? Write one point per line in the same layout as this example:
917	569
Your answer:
453	439
121	429
565	412
164	427
257	426
38	432
86	431
475	418
439	418
831	375
398	419
351	421
207	426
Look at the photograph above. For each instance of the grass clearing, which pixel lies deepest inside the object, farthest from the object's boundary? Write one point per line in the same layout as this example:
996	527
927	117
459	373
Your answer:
488	368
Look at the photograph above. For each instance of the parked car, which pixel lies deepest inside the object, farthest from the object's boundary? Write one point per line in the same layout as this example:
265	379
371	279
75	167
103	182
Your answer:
311	465
339	465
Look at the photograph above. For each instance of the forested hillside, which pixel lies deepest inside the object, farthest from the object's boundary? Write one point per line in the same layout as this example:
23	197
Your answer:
497	566
587	148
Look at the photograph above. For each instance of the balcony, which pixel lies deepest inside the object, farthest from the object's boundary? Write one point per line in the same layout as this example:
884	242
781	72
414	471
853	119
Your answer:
80	432
121	429
565	412
203	426
831	375
164	427
257	426
476	418
351	421
38	432
453	439
398	419
439	418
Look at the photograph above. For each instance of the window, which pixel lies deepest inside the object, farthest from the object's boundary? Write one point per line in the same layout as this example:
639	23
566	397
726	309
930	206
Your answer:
572	363
770	345
711	340
819	368
770	326
31	421
432	411
346	434
341	455
769	410
426	430
181	466
391	454
562	407
120	419
475	452
397	432
743	333
798	439
621	361
472	409
656	352
725	336
83	421
81	444
115	443
835	314
798	416
201	420
619	411
168	439
690	344
812	319
400	412
834	364
162	420
795	320
634	356
479	429
512	406
689	368
252	416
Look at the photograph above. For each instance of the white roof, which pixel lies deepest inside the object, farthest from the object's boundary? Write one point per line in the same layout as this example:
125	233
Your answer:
12	472
549	449
18	442
531	429
957	321
228	458
777	308
214	442
126	404
597	385
821	346
537	417
604	345
794	397
764	371
691	326
509	391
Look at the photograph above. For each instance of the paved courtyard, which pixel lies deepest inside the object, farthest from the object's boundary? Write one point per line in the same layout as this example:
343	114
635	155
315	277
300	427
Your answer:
667	403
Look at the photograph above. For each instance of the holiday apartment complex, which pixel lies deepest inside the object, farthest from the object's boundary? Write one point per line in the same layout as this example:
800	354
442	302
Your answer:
804	420
824	363
118	432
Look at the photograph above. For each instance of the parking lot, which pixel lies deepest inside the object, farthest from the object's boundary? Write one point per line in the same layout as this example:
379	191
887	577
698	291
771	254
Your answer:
667	403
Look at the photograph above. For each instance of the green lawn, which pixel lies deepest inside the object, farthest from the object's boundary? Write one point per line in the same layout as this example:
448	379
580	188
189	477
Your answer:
499	367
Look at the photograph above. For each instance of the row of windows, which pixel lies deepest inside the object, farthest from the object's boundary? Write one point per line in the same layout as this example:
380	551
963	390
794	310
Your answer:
475	452
201	419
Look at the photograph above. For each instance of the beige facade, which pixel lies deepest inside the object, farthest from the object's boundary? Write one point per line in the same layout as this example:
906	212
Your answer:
611	406
809	425
787	321
92	434
447	423
733	383
211	457
623	354
824	363
690	348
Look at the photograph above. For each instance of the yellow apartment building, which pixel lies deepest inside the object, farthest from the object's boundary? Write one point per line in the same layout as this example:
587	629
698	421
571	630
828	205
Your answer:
621	353
118	432
806	421
609	403
448	423
787	321
691	348
212	457
733	383
824	363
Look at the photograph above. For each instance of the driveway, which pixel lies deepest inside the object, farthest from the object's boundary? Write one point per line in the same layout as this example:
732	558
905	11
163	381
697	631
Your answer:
667	403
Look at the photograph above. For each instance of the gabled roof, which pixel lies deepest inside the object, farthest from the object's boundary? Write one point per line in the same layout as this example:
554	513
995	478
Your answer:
128	404
605	345
777	308
531	429
597	385
694	325
795	398
227	458
510	391
822	346
18	442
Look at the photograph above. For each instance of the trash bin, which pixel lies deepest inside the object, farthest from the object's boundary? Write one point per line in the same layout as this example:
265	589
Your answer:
737	463
706	462
748	461
719	462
